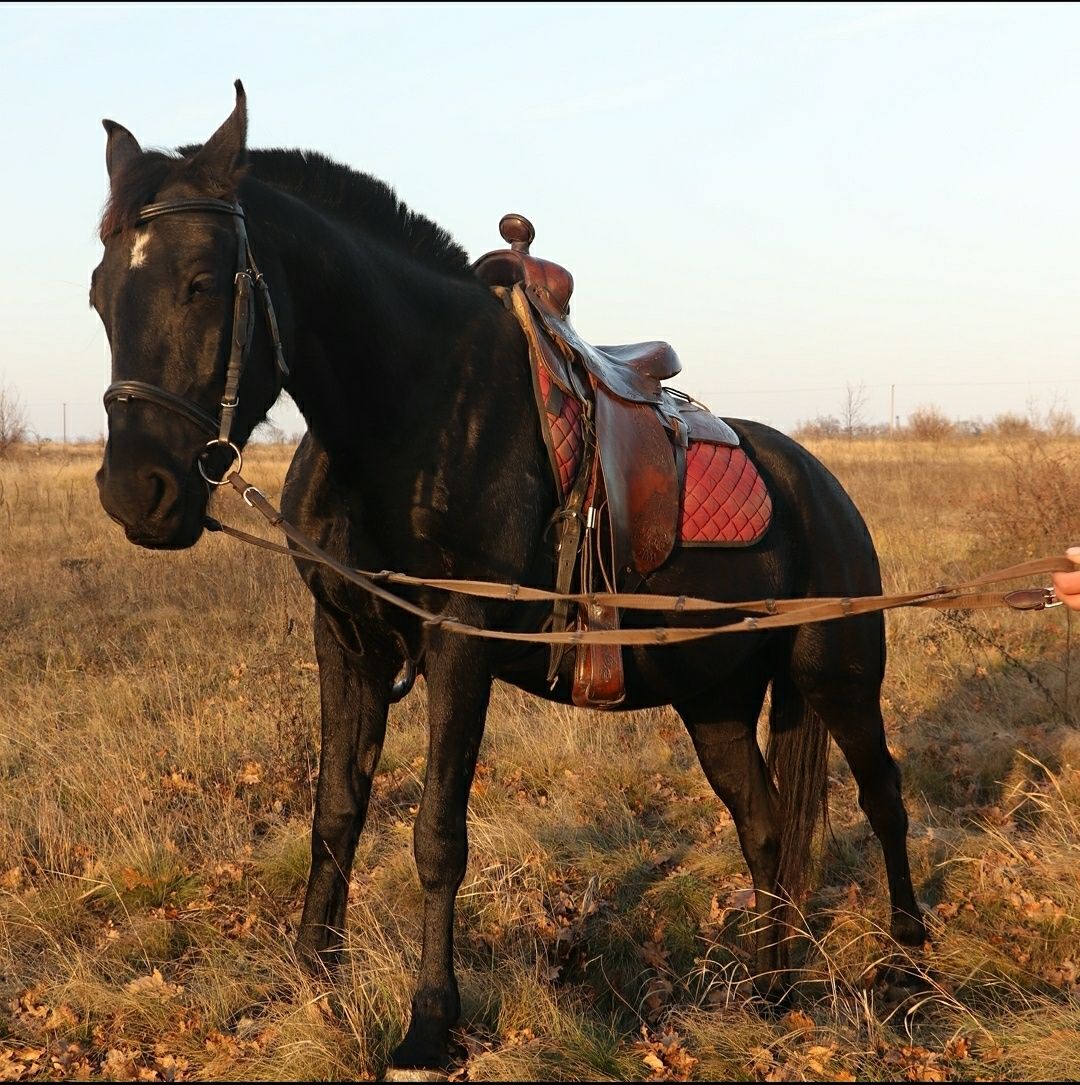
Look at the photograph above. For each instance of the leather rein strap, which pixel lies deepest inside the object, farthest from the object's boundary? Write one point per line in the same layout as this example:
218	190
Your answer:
246	277
761	614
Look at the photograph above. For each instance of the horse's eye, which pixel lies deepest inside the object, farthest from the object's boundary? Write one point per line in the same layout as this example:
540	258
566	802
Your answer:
202	284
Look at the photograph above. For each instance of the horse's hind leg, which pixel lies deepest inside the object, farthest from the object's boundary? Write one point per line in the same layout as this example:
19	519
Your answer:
723	727
355	699
847	696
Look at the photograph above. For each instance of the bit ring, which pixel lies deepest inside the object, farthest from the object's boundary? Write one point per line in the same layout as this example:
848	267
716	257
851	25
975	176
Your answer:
232	469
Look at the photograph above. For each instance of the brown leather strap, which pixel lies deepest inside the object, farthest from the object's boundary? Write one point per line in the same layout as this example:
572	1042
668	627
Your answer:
777	613
569	527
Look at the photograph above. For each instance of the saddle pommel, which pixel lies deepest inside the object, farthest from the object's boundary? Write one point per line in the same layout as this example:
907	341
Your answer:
507	267
517	231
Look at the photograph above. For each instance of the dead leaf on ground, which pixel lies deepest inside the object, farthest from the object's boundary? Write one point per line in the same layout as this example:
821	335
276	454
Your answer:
797	1021
153	986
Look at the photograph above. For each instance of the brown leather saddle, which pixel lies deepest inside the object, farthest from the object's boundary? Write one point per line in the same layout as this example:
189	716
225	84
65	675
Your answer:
620	516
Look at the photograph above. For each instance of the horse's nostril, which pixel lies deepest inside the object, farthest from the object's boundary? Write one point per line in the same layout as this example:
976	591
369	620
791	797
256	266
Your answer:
162	492
157	492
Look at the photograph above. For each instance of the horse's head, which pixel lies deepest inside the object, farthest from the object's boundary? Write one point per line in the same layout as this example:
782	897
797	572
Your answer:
174	291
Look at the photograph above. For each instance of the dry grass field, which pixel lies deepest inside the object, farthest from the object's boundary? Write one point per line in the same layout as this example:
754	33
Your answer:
158	746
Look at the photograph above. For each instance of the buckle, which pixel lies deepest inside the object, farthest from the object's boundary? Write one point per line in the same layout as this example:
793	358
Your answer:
1032	599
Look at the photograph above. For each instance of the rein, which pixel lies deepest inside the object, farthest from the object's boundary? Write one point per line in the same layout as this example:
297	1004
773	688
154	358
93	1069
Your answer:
764	613
760	614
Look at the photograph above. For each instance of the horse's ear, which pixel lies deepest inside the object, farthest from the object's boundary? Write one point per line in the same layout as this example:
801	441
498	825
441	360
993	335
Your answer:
121	149
225	152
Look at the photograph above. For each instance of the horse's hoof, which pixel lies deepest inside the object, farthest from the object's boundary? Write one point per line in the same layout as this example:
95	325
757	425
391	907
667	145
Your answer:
398	1073
909	930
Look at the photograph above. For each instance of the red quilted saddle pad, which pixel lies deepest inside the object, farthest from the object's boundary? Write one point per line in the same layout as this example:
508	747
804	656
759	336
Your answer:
724	500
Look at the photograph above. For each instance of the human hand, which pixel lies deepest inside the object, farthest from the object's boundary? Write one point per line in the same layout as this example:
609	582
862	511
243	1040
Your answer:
1067	585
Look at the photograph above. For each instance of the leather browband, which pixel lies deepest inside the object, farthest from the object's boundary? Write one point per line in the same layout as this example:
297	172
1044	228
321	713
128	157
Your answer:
202	203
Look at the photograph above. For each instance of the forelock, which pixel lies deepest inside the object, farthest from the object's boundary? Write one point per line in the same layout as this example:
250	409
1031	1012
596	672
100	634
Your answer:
141	181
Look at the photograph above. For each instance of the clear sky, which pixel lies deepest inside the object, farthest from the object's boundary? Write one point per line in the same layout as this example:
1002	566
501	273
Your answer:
796	197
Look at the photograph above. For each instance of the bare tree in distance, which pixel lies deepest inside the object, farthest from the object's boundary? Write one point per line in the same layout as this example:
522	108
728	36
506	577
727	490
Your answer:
14	427
1058	420
853	408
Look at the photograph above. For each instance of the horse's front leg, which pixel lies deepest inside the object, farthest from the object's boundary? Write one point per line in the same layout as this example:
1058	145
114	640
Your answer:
459	684
355	698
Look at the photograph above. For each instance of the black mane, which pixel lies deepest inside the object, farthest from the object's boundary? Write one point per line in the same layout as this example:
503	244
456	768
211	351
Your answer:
356	198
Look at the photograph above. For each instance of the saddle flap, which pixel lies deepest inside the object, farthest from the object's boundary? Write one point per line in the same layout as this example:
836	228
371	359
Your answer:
640	479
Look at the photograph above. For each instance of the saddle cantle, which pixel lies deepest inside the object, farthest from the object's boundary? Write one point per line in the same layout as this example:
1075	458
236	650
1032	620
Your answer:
619	445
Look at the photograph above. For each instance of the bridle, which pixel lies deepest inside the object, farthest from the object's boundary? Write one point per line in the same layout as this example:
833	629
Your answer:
247	276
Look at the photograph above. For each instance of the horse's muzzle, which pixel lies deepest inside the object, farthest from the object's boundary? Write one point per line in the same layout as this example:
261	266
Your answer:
157	508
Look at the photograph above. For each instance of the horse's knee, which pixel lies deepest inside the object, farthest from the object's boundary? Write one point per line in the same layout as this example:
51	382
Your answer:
332	828
441	852
765	840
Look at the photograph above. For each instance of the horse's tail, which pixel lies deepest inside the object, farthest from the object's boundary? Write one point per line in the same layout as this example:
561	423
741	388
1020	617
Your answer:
798	758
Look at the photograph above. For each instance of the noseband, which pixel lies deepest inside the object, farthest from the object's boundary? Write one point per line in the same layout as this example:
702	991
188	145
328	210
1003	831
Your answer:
247	275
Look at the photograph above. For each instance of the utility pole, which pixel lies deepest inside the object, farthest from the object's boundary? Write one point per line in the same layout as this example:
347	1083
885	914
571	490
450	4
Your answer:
892	409
65	427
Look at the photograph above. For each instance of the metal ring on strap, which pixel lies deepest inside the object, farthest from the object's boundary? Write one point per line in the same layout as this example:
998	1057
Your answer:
232	469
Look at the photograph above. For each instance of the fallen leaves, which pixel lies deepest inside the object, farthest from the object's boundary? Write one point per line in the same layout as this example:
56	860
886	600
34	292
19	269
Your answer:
916	1063
36	1016
250	774
58	1058
798	1022
563	921
17	1063
153	986
664	1056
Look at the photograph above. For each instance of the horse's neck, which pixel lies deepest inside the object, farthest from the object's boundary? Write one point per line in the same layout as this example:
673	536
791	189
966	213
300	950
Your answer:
393	361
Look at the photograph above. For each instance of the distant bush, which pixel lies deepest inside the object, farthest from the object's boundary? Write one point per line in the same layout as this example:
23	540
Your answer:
1032	507
1012	425
929	423
825	425
14	427
1060	422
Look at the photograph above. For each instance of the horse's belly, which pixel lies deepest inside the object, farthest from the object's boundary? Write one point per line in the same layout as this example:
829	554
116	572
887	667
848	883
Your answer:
654	677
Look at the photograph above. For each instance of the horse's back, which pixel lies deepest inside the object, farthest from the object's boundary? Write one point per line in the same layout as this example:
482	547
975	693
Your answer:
836	554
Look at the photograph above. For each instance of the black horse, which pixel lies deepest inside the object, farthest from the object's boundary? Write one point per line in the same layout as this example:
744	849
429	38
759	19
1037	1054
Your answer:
424	454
